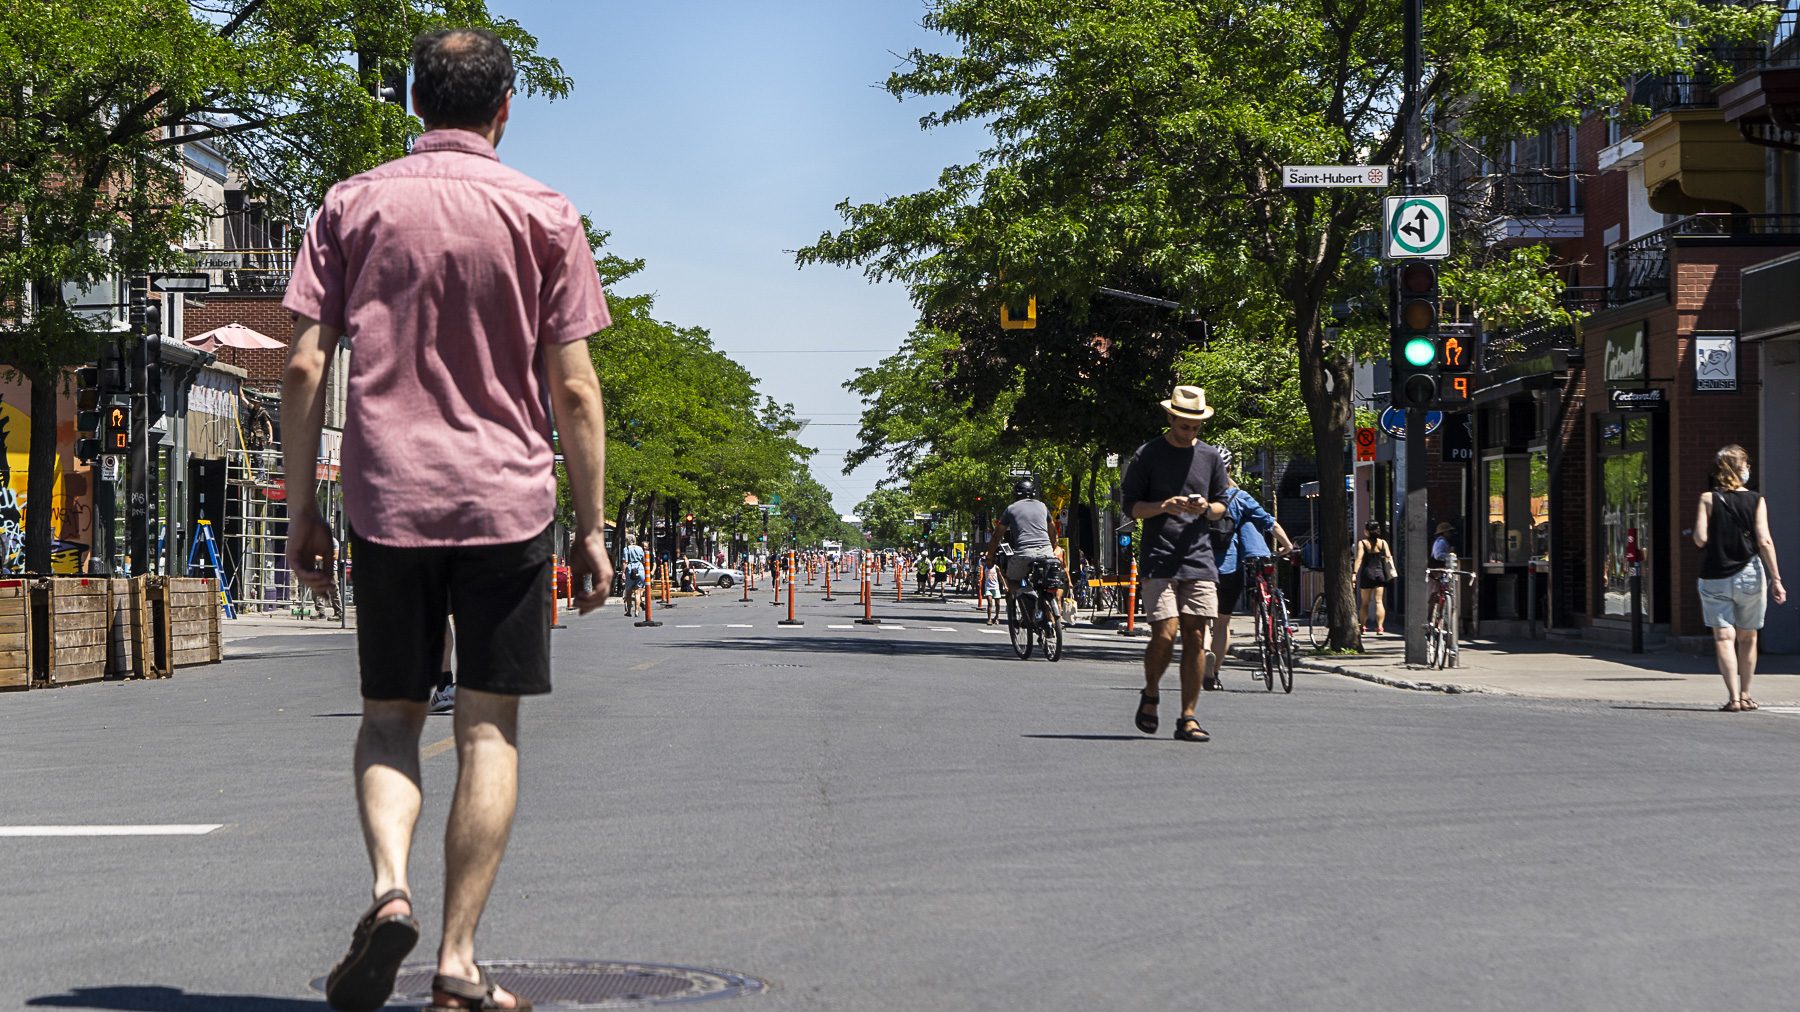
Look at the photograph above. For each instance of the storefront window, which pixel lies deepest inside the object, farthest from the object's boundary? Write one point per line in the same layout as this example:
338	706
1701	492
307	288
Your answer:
1540	506
1624	505
1494	549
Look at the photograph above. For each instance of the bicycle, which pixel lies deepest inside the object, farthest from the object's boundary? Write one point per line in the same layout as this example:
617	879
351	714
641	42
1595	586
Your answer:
1031	611
1274	636
1318	622
1441	646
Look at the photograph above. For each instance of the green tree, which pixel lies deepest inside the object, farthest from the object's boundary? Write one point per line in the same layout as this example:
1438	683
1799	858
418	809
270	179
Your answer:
97	95
1144	138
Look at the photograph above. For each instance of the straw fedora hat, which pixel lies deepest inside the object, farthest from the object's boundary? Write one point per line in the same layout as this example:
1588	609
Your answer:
1188	402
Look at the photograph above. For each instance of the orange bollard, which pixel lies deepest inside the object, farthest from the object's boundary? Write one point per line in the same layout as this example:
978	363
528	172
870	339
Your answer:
868	596
668	581
649	596
554	622
775	578
790	620
1131	604
898	594
746	564
828	568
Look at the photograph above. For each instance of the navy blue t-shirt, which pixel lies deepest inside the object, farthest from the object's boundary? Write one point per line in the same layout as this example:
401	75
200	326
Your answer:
1176	547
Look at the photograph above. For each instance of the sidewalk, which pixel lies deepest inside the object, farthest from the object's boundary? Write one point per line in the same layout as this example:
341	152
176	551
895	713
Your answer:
278	623
1555	669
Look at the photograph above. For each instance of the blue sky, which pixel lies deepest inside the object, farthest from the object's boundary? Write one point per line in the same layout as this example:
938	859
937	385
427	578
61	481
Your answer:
711	138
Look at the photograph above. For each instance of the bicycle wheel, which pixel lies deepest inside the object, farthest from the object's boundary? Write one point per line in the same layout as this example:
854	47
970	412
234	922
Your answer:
1436	650
1318	623
1051	635
1265	643
1019	628
1284	644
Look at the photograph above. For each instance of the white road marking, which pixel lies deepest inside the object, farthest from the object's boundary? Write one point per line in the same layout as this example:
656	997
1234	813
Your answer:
941	628
1103	639
739	625
149	830
1780	709
846	625
992	632
899	627
680	626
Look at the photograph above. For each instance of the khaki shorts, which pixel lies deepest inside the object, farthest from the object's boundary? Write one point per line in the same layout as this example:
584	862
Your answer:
1164	599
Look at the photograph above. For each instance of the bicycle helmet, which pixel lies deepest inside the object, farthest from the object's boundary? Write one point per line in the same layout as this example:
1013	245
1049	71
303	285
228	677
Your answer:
1025	488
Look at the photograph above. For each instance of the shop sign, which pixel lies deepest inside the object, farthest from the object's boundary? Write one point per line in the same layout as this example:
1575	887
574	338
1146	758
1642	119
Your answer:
1625	357
1639	400
1393	422
1715	362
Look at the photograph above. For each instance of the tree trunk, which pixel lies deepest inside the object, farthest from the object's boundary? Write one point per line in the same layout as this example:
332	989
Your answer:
619	529
1325	383
40	497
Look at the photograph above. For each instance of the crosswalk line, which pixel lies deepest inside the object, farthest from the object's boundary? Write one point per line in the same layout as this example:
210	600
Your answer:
147	830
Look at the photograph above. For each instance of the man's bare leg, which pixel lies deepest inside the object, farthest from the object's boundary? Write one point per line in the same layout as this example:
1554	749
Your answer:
1193	660
487	791
1218	641
1157	653
387	790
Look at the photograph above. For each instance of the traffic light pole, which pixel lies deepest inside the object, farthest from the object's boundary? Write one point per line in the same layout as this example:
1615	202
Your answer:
1417	555
137	501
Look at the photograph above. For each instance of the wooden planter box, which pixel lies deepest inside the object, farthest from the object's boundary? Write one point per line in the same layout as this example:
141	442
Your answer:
139	640
15	635
193	624
77	612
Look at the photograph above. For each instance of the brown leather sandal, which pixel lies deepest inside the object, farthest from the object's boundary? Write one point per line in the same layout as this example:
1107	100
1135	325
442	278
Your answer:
364	979
480	992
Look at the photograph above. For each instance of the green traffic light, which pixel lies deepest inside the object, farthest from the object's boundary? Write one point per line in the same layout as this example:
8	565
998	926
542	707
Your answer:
1419	352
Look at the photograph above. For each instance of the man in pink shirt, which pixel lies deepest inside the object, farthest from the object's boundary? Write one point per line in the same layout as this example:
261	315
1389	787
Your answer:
465	291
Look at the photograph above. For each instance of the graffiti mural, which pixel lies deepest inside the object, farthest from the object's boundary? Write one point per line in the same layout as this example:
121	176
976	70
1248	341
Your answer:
15	439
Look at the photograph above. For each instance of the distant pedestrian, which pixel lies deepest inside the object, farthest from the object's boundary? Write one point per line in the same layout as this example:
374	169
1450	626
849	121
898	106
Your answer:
990	591
1443	544
1172	484
636	582
1374	556
1737	571
470	292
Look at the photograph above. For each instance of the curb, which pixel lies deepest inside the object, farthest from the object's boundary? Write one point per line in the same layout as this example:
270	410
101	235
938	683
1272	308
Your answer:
1449	688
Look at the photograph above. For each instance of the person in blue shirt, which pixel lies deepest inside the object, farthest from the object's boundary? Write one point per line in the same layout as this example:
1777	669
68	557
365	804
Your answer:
1251	528
633	559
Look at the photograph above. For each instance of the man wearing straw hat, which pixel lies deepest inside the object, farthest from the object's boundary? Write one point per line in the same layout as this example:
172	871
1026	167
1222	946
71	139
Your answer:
1172	485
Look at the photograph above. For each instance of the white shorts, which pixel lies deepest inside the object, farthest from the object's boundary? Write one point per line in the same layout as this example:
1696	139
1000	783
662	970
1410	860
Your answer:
1739	601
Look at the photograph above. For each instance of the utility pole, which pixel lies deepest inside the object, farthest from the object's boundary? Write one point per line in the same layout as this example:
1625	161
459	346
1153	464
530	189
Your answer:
1415	554
137	496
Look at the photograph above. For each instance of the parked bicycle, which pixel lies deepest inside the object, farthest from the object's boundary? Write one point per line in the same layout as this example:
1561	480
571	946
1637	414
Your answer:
1274	635
1441	646
1031	611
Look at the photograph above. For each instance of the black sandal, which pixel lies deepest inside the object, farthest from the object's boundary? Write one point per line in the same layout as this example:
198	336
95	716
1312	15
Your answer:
1147	722
364	979
481	992
1189	729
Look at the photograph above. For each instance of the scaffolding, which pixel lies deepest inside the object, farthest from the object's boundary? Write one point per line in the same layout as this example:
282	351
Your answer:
256	530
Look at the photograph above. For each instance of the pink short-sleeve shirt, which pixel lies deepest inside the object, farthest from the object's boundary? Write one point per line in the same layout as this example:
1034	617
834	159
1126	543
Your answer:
447	273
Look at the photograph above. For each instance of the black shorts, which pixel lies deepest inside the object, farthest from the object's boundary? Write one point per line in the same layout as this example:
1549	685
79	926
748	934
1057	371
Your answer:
1231	589
499	595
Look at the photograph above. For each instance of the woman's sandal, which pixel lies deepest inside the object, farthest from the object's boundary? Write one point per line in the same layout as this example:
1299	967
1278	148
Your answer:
1735	706
1147	722
364	979
1747	703
480	992
1189	729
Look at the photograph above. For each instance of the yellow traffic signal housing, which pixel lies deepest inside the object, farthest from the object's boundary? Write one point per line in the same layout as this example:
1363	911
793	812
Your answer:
1028	323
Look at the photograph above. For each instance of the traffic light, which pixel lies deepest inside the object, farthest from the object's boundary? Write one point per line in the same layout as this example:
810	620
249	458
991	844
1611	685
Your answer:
87	413
115	429
146	361
1413	345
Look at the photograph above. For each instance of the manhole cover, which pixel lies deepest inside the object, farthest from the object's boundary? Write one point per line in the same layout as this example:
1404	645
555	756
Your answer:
583	984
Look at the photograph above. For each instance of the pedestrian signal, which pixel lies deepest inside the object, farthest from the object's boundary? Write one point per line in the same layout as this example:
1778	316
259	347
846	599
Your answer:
115	432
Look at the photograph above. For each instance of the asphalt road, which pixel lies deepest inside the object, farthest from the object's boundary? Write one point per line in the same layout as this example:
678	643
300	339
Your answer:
888	818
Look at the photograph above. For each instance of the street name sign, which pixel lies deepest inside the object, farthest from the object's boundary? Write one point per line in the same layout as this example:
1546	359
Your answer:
1417	226
1309	176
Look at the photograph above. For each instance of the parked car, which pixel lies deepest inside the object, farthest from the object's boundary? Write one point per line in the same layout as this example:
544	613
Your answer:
706	572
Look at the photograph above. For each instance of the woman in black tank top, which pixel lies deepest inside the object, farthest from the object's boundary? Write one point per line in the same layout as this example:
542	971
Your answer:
1737	569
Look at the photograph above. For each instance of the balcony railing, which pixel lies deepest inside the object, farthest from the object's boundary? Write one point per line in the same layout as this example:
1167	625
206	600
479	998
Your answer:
1532	193
1526	343
246	271
1717	67
1640	268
